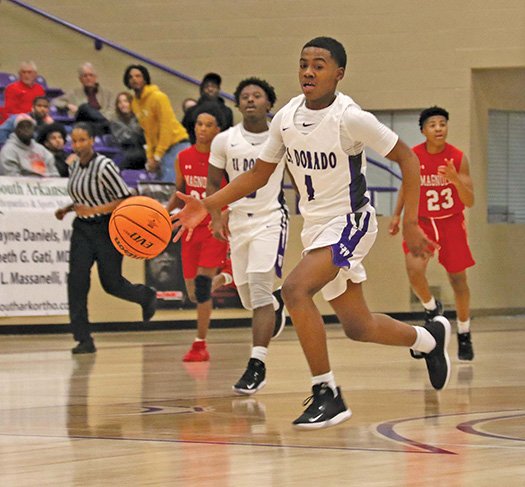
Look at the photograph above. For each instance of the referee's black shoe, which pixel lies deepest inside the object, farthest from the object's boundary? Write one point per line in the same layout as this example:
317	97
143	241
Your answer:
86	346
150	306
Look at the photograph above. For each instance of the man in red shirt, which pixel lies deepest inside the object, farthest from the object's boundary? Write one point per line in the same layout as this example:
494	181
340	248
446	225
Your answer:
19	95
202	255
446	189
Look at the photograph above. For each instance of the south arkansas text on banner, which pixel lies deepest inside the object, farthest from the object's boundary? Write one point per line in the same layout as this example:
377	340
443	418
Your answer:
34	246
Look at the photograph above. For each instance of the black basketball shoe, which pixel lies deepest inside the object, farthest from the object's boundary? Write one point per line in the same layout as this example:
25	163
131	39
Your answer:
438	361
432	313
429	316
325	409
465	350
253	378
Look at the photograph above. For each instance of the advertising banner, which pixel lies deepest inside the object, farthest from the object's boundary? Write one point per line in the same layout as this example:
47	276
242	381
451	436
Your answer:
34	246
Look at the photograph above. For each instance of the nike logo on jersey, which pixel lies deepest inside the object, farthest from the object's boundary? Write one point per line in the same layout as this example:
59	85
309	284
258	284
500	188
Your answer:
308	124
233	145
285	128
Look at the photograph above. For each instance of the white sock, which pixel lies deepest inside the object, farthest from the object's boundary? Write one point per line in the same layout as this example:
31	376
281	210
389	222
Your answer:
425	342
259	353
328	378
430	305
463	326
197	339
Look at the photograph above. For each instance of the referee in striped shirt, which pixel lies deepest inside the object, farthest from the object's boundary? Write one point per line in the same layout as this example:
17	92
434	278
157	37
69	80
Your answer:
96	189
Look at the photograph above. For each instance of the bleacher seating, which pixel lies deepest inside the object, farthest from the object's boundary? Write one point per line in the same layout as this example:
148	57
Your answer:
8	78
50	92
5	79
104	144
133	177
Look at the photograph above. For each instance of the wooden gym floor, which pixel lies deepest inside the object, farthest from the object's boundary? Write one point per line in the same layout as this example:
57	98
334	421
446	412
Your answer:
135	414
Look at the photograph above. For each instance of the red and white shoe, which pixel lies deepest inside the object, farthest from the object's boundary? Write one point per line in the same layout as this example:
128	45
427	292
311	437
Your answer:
197	353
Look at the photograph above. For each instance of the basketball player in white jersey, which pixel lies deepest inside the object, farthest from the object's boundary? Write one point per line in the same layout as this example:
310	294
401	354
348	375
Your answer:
322	134
257	225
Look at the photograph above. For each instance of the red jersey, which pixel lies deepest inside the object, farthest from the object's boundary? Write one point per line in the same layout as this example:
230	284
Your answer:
194	167
438	198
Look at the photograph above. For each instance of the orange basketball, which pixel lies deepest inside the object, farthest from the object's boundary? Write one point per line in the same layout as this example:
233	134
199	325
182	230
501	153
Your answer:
140	227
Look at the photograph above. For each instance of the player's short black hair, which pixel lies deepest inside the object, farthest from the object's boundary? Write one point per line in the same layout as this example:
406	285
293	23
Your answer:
334	47
431	112
88	127
264	85
211	108
142	69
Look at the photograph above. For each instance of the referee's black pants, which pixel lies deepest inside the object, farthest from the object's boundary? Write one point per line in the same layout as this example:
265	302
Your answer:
90	243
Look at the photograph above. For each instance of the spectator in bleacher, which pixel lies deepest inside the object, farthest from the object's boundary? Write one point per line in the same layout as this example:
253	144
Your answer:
53	138
210	89
165	135
23	156
89	102
19	95
128	133
188	103
39	113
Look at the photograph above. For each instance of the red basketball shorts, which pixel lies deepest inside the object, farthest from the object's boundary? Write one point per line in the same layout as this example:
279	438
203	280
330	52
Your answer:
203	250
451	234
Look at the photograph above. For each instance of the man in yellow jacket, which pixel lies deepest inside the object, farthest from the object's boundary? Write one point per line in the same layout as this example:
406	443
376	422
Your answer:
165	135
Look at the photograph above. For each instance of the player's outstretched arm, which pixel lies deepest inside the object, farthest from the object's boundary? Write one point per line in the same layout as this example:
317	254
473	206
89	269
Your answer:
195	211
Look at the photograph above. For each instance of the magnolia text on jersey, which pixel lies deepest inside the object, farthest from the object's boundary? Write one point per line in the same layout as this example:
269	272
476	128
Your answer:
196	181
433	180
311	160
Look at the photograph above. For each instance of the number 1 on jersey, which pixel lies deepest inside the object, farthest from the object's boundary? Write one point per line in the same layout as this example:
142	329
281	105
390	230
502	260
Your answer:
309	187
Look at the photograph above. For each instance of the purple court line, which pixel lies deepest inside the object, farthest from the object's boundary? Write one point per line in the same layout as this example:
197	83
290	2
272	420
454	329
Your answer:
469	427
387	430
217	443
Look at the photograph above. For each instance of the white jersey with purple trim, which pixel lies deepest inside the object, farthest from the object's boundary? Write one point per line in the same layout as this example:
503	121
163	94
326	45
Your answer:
324	151
236	151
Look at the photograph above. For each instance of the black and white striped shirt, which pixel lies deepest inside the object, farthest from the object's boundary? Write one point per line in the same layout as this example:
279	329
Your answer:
97	183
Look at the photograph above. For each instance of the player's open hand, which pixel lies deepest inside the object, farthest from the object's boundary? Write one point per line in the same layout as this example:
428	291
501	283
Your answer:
189	217
449	171
417	242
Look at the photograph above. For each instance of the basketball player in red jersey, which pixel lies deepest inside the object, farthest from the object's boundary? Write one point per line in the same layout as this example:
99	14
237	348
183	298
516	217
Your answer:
446	189
202	255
